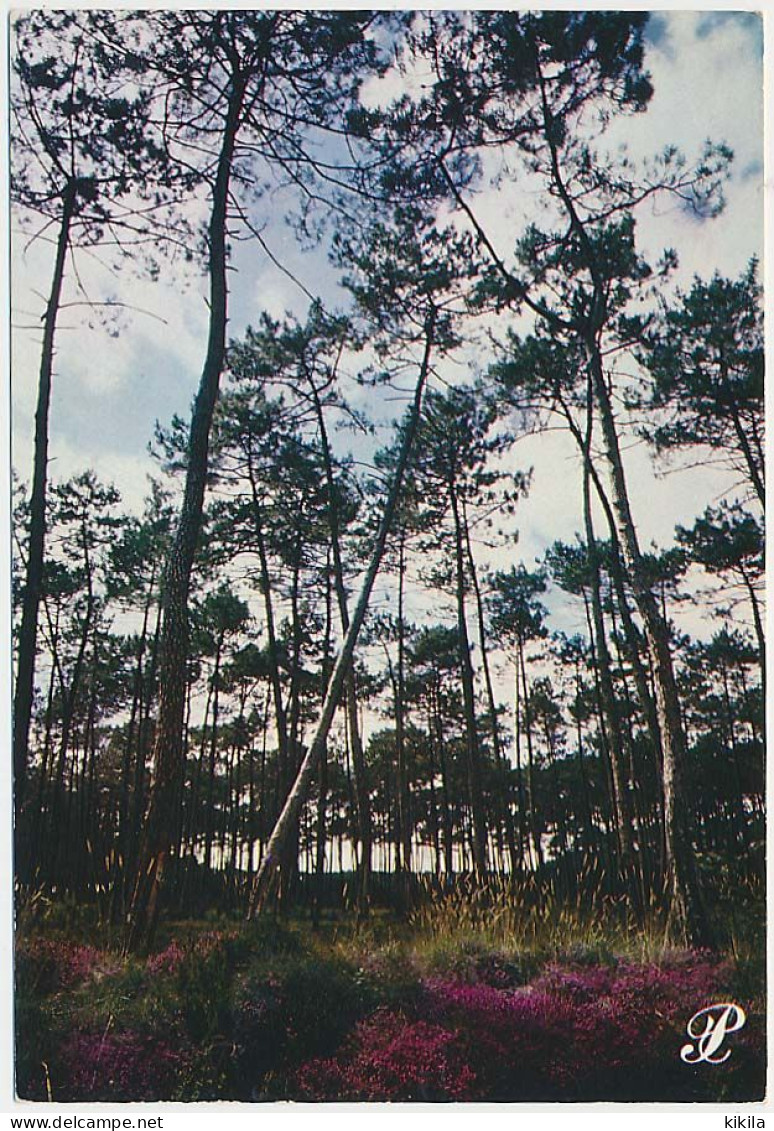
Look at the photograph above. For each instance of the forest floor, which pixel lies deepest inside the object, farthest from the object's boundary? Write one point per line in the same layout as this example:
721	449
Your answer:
442	1005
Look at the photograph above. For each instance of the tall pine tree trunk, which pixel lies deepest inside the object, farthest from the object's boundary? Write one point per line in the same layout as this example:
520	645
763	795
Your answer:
168	753
688	915
33	581
404	822
472	750
628	868
500	759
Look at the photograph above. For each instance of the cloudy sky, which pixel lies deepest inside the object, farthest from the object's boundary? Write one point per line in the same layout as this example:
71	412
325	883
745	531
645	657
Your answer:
109	390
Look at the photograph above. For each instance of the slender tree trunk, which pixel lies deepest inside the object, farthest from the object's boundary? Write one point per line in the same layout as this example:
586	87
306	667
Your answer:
229	835
584	784
143	744
448	830
609	700
70	699
167	754
688	913
88	804
209	804
537	836
635	773
133	738
33	582
478	811
250	819
754	467
739	814
267	874
604	742
522	830
362	791
273	651
556	810
404	823
290	863
433	804
31	850
262	789
617	575
500	760
320	837
352	803
758	623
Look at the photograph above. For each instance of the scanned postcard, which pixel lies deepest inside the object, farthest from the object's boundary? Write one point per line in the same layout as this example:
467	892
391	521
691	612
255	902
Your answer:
387	568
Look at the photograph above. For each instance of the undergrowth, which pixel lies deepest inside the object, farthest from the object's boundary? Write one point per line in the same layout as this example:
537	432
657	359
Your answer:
468	997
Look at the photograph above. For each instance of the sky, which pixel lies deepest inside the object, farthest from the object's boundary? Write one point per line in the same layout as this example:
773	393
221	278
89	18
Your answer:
110	386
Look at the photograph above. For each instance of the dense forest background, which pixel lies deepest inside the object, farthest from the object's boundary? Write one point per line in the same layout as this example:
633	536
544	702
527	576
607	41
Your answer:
480	739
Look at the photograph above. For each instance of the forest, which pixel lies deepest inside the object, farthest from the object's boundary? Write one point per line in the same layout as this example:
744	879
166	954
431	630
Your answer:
368	743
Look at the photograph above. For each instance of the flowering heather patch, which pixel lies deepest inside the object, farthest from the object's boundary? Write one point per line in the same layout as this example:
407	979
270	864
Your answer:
112	1067
589	1032
47	965
689	978
314	1027
581	1033
167	961
392	1057
516	1040
302	1011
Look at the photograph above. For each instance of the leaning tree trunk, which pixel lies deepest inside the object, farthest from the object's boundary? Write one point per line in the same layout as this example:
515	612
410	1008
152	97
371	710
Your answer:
33	581
168	752
268	872
362	793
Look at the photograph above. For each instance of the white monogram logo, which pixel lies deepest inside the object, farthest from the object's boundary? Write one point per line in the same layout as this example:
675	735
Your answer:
708	1029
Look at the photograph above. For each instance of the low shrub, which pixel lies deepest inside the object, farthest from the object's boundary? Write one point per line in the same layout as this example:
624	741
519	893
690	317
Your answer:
115	1067
44	966
203	976
302	1009
388	978
474	960
167	961
310	1019
392	1057
576	1034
